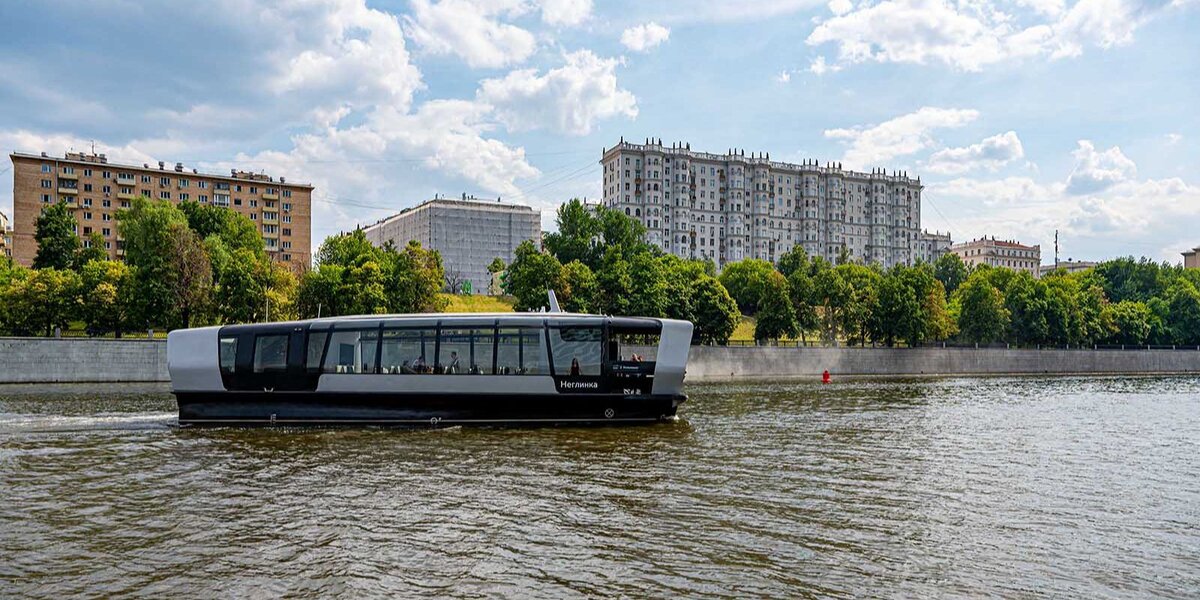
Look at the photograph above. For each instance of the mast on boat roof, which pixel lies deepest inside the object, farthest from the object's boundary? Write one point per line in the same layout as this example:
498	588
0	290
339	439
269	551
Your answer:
553	302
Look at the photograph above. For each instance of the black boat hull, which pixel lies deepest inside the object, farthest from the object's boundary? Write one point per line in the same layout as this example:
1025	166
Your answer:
438	410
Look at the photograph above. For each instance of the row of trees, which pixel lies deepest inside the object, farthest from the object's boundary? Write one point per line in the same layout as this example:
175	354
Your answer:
194	264
1121	301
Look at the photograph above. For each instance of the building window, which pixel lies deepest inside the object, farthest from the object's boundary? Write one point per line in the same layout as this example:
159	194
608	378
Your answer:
46	183
106	232
47	169
106	217
287	206
287	231
253	216
202	185
46	198
106	203
164	195
253	190
287	193
183	183
145	179
237	201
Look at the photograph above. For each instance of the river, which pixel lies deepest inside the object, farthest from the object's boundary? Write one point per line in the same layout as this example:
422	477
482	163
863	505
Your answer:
1013	487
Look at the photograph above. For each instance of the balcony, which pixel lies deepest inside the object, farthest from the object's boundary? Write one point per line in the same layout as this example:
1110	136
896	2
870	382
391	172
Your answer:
270	236
71	176
126	195
270	217
268	196
67	190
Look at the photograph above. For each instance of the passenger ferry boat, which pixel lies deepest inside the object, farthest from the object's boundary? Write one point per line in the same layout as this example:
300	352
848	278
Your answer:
432	369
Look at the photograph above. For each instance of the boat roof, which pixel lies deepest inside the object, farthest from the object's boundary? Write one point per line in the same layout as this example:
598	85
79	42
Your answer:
430	318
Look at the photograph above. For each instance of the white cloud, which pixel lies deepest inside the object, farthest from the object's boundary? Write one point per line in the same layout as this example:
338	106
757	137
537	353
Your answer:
1096	171
819	67
567	13
641	38
568	99
990	153
343	48
469	29
903	135
840	7
971	35
1173	138
783	77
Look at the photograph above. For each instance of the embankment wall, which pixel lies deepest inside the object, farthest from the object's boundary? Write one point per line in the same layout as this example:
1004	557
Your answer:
41	360
84	360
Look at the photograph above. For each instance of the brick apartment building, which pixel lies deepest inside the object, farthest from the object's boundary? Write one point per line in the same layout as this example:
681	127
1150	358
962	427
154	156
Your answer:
95	189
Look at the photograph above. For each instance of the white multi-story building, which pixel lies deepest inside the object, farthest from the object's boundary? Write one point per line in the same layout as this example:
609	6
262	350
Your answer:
469	233
1000	253
728	207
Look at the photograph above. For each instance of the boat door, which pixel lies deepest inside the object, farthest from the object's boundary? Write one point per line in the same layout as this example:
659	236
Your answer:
267	358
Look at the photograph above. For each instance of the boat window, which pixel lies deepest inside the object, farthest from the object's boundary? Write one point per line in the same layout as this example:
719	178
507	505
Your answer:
316	345
408	351
352	351
466	351
270	353
576	349
521	351
227	350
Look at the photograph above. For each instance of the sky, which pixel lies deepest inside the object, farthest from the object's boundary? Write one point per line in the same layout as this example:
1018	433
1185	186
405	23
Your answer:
1021	118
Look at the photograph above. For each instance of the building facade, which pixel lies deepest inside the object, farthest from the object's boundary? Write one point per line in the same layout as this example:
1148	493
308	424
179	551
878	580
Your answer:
1000	253
469	233
5	236
932	245
728	207
1191	258
95	189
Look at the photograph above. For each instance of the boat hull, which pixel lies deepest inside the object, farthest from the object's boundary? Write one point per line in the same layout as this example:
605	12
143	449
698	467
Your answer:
421	409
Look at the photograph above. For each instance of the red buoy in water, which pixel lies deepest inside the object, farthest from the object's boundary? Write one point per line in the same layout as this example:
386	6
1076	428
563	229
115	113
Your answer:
825	376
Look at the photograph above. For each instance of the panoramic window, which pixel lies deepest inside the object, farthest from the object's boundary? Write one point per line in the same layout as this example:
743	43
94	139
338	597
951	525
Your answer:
270	353
316	346
352	351
576	350
466	351
521	351
227	351
408	351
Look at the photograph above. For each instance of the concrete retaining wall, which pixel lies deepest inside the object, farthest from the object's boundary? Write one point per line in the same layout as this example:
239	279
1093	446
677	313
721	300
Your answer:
40	360
44	360
718	363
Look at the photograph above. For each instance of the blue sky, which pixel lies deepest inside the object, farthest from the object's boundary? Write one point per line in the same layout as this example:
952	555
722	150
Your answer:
1021	118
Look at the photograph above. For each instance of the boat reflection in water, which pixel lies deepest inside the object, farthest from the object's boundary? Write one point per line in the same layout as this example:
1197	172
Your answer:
432	369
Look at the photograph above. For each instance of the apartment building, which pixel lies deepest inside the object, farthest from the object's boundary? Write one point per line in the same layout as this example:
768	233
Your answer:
468	232
728	207
5	236
95	189
931	246
1000	253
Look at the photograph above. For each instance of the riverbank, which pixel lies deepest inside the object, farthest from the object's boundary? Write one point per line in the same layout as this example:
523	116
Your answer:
82	360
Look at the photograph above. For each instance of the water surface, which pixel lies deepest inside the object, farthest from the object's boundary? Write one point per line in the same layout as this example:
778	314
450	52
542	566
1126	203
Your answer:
1021	487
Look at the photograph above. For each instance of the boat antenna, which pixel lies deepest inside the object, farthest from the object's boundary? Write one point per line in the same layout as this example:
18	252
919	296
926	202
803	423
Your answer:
553	301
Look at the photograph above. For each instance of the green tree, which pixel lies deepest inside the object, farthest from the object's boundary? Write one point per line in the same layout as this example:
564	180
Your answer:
578	234
648	285
413	277
776	318
56	239
93	250
39	301
496	266
530	275
581	288
795	259
804	302
898	312
615	282
855	315
319	292
833	294
941	324
950	270
982	317
107	288
1131	320
149	229
745	280
715	314
190	273
1183	320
